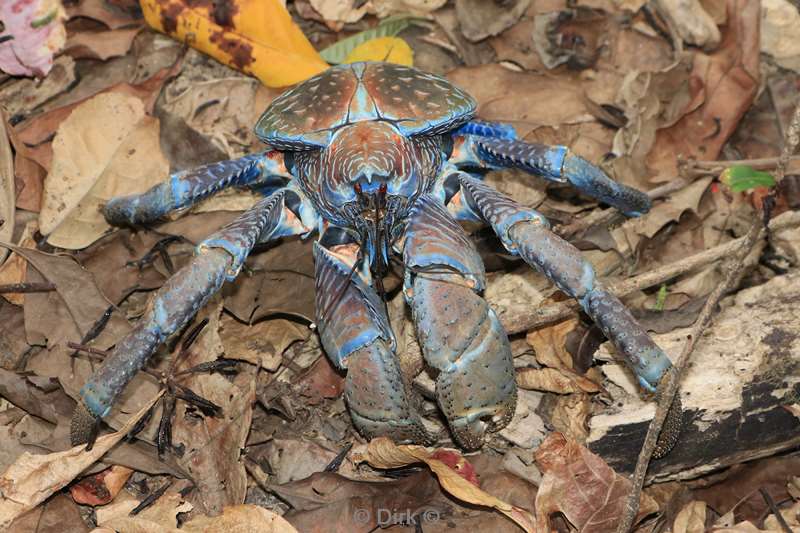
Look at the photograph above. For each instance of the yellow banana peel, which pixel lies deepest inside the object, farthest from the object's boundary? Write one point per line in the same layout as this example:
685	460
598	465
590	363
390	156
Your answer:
257	37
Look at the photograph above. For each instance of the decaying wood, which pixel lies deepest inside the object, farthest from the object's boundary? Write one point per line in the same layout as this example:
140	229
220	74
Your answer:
745	369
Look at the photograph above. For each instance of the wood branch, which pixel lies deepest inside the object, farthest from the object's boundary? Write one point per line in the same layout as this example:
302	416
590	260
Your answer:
744	371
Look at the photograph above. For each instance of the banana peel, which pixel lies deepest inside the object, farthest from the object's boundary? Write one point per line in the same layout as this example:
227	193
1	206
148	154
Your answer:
257	37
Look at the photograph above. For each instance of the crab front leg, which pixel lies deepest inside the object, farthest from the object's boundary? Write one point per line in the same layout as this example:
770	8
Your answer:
527	233
490	145
217	259
356	335
263	171
459	333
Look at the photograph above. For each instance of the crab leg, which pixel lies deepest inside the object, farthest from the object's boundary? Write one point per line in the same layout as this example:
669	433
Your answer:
526	232
356	335
258	171
554	163
459	333
217	259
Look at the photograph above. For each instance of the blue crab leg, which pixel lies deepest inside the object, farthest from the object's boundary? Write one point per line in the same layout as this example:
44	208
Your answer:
554	163
264	171
356	335
459	333
217	259
527	233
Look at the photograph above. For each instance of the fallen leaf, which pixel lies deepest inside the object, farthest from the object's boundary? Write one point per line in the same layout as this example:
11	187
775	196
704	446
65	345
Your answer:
33	478
262	343
7	190
58	513
383	453
480	19
37	32
100	44
550	344
160	517
335	11
390	27
241	518
15	268
257	37
107	147
22	96
581	486
212	445
321	381
692	23
109	14
389	49
100	488
560	381
780	23
691	519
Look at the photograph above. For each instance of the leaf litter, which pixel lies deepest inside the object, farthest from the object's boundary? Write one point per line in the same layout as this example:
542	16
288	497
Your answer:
99	105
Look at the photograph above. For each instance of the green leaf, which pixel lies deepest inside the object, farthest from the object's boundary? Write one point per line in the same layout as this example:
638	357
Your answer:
741	178
661	297
389	27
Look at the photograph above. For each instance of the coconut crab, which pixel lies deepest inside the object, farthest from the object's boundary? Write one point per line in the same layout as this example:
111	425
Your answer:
382	161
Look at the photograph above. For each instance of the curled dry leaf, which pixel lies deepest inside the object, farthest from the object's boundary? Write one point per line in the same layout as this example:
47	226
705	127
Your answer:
106	147
31	479
383	453
691	519
101	488
6	185
257	37
560	381
780	26
241	518
36	28
101	44
581	486
336	11
480	19
693	24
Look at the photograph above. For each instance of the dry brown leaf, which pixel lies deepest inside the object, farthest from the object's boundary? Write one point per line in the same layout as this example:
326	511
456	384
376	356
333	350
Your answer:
691	519
693	24
161	517
780	25
15	268
101	44
241	518
262	343
570	415
7	187
582	486
33	478
479	19
383	453
558	380
107	147
549	344
100	488
213	446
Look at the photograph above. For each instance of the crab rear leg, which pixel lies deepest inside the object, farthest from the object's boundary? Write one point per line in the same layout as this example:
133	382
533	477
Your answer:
490	146
356	335
264	171
218	258
459	333
527	233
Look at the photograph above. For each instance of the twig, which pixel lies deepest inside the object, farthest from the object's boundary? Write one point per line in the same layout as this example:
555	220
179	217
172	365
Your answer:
517	320
668	387
27	287
775	510
696	169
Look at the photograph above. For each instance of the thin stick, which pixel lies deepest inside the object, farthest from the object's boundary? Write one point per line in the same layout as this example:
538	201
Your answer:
670	382
775	510
520	319
27	287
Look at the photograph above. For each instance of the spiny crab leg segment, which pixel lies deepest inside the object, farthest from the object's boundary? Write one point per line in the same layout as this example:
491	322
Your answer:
527	233
263	171
459	333
555	163
356	335
217	259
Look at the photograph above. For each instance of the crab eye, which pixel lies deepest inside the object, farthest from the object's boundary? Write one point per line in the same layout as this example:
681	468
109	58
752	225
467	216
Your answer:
357	187
382	189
